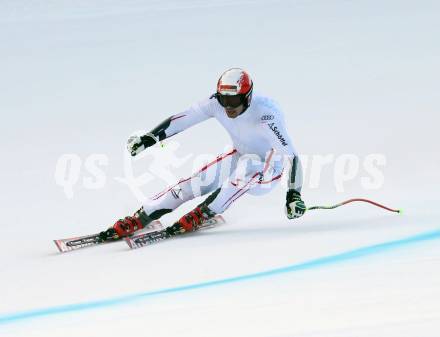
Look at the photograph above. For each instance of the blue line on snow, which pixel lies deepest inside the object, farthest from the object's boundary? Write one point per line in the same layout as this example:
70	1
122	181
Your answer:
322	261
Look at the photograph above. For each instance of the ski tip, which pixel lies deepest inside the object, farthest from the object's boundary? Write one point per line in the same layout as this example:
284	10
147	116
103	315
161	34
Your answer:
400	211
57	243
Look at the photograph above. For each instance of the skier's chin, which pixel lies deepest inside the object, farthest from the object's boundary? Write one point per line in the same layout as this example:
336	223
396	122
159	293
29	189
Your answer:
234	113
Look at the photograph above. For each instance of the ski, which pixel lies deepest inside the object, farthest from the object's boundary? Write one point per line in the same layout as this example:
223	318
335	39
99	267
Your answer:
74	243
146	239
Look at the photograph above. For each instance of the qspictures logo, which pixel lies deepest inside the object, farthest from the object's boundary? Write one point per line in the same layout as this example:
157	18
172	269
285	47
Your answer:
74	173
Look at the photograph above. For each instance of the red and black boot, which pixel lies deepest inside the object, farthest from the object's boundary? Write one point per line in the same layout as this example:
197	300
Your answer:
191	221
127	226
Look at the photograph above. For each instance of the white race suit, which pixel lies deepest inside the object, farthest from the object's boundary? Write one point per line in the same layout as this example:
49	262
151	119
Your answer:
261	147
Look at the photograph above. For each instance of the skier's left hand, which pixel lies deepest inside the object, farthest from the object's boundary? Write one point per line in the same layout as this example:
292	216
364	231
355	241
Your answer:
295	206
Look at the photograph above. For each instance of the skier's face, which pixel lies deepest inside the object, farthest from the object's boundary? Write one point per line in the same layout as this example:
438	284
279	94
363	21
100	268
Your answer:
233	104
234	112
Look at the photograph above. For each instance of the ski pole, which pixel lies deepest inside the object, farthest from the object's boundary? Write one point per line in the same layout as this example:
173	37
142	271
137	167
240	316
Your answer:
354	200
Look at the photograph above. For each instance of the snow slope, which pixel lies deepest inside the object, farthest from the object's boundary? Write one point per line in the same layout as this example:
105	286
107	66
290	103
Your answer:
78	77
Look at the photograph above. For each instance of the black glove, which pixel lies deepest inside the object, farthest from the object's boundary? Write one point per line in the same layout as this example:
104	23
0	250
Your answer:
136	144
295	206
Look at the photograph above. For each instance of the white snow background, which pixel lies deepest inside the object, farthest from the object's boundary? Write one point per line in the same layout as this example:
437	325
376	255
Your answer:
357	77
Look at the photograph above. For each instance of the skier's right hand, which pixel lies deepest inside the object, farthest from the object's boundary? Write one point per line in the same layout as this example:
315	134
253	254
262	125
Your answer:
136	144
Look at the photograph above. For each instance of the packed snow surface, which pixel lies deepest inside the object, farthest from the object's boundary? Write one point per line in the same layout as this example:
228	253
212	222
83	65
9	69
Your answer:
355	79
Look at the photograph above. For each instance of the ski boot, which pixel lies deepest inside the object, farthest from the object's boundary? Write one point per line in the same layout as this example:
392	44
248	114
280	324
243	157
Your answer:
191	221
127	226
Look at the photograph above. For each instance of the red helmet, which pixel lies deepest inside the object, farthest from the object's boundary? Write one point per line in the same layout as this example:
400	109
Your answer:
234	88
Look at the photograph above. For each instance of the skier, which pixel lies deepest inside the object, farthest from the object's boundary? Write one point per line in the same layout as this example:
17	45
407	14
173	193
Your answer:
257	128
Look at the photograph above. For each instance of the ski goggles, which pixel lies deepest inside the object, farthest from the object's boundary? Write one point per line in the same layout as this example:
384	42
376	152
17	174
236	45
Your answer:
230	101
